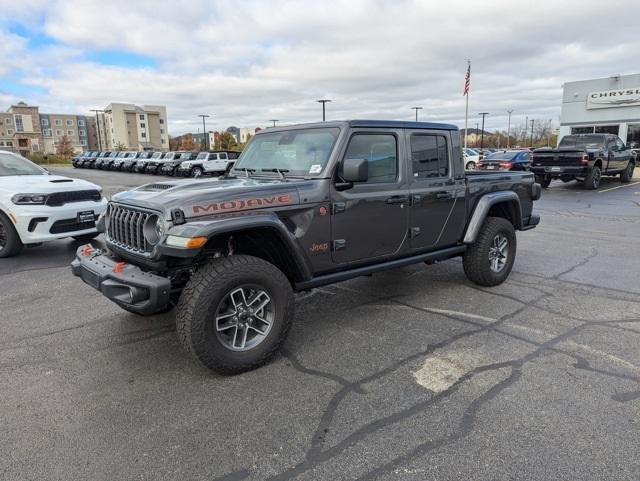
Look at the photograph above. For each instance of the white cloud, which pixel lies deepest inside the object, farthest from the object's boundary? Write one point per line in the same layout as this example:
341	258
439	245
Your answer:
248	61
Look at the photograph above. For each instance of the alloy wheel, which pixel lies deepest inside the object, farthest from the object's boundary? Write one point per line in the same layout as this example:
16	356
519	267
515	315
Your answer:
244	318
498	253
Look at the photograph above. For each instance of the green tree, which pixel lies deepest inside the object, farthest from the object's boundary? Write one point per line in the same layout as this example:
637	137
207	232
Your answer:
227	141
64	148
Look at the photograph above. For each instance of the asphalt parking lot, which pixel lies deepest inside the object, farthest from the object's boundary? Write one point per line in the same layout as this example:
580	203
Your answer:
413	374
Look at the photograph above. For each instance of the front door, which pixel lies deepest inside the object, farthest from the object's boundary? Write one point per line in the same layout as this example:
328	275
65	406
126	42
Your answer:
369	220
437	198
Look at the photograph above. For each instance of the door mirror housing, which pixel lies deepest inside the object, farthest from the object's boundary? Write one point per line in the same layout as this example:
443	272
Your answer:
355	170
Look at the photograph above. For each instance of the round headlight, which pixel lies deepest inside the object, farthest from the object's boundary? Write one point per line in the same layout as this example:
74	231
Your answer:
153	229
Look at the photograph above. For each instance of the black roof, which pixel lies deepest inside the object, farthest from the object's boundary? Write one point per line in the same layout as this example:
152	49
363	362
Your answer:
385	124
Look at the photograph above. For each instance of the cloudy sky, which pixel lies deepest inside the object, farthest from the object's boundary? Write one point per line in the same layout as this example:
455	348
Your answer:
247	61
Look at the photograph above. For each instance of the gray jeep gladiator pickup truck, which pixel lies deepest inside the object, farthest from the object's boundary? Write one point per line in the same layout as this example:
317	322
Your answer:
304	206
585	158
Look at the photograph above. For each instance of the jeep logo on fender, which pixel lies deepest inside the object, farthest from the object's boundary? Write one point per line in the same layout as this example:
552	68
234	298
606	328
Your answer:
241	204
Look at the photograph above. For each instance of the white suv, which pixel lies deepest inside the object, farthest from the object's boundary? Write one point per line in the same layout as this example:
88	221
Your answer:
36	207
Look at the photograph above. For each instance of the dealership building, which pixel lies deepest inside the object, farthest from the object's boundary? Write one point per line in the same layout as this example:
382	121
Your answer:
605	105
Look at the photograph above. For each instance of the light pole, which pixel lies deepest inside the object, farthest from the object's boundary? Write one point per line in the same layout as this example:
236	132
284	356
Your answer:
477	129
416	109
204	131
274	121
531	132
509	130
323	102
98	127
484	114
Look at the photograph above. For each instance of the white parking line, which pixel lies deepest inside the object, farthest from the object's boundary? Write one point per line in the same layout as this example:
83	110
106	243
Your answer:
618	187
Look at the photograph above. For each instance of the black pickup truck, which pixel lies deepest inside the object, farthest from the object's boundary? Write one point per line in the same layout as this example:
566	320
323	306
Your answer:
585	158
304	206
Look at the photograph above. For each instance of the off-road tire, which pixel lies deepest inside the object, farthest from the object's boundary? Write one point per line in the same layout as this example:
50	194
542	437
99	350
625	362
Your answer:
207	288
196	172
543	180
476	261
627	175
86	237
12	242
592	181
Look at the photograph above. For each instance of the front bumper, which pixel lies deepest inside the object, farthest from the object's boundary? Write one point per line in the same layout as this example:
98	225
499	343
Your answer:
42	223
125	284
559	171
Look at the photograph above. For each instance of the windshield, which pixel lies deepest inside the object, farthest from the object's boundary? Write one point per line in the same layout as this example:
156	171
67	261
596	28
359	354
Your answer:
202	155
11	164
582	141
298	152
156	155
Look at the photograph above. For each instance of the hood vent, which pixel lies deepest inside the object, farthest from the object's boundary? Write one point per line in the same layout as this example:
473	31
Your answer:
157	187
59	181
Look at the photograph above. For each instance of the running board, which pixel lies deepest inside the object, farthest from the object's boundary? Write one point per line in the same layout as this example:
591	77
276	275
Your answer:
435	256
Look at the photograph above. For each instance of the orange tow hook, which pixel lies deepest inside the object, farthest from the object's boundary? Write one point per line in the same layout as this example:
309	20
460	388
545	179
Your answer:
86	250
117	268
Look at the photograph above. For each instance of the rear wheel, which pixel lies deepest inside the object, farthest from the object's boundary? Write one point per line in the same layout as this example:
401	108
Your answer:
592	181
627	175
488	261
196	172
543	180
235	313
10	243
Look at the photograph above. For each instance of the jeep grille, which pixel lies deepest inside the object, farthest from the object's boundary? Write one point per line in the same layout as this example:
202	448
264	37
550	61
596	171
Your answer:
124	228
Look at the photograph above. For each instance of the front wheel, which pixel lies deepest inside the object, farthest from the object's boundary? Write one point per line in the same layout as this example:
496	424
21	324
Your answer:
627	175
234	313
196	172
10	243
471	165
488	261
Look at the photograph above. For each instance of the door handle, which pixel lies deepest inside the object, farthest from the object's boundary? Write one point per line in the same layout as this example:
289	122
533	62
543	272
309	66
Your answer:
397	199
443	195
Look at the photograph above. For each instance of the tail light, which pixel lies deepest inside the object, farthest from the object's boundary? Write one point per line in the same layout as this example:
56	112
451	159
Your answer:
585	159
506	165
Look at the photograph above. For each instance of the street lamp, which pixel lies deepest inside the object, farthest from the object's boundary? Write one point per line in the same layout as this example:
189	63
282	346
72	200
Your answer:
274	121
532	132
323	102
98	127
416	109
204	130
509	129
484	114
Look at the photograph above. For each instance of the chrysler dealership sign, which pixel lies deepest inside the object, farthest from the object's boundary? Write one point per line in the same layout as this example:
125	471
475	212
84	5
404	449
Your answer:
613	98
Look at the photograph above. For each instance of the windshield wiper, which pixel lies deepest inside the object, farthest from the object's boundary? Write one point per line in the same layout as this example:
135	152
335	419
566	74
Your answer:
279	171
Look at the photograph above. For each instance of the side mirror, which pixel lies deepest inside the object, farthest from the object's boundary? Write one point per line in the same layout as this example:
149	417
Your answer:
355	170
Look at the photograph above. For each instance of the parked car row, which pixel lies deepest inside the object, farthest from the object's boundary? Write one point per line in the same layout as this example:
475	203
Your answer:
183	163
512	159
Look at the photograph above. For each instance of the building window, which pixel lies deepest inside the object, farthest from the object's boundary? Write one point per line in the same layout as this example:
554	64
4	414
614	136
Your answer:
70	132
633	136
83	142
607	129
429	156
8	121
141	116
143	135
143	126
82	133
1	144
19	124
162	131
44	122
58	122
9	131
162	141
80	123
59	132
380	152
46	132
161	121
9	144
69	122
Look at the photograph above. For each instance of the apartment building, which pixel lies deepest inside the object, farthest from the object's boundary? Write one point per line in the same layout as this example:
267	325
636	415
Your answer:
25	130
133	127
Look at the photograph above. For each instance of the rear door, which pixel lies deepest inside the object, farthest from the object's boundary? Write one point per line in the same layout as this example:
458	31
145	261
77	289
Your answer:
437	196
620	154
369	220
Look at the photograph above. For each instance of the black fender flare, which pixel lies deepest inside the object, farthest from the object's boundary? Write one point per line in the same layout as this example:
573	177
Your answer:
482	210
237	223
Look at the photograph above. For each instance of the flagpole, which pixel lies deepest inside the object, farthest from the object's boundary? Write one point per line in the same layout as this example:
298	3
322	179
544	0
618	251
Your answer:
466	111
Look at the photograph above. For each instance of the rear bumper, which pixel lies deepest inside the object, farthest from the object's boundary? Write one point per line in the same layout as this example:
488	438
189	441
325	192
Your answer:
559	171
131	287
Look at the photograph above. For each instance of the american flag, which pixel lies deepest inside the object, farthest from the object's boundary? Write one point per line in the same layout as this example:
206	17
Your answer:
467	80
